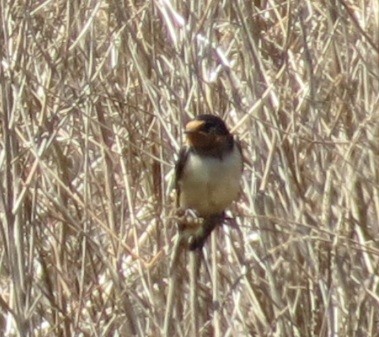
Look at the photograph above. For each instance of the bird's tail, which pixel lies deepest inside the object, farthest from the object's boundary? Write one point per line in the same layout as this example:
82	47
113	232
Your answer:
209	224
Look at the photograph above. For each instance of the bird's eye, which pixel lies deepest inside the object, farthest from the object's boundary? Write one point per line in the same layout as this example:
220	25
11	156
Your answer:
209	128
213	129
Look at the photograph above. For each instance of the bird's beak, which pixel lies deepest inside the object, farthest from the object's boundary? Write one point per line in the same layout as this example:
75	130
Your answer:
193	126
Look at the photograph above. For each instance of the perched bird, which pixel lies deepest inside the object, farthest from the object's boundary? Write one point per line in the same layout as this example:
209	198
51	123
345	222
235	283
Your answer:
207	173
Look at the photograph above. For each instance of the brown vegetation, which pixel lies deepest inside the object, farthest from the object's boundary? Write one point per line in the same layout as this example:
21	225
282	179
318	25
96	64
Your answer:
93	98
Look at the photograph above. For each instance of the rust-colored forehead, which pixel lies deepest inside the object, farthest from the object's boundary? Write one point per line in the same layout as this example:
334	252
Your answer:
194	125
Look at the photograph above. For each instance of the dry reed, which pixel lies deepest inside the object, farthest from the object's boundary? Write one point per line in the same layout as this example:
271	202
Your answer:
93	99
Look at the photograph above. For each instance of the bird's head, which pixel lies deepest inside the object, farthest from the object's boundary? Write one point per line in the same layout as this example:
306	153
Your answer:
208	133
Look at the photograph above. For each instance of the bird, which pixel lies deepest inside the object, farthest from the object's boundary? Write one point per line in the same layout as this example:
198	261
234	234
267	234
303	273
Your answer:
207	174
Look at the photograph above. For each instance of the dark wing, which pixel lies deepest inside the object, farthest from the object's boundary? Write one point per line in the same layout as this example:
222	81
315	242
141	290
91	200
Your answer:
179	166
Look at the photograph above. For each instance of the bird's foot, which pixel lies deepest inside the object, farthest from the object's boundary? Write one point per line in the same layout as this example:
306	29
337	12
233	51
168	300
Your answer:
187	220
198	239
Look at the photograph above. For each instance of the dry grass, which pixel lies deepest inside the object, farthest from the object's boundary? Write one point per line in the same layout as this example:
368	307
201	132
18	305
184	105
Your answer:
94	95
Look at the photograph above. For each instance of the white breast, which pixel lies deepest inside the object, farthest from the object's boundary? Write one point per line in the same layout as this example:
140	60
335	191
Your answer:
209	185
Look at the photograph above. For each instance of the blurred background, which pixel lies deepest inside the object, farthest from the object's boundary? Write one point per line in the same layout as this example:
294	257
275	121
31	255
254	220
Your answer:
94	96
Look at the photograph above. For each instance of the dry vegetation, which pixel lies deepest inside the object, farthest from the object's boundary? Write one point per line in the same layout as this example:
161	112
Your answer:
94	95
